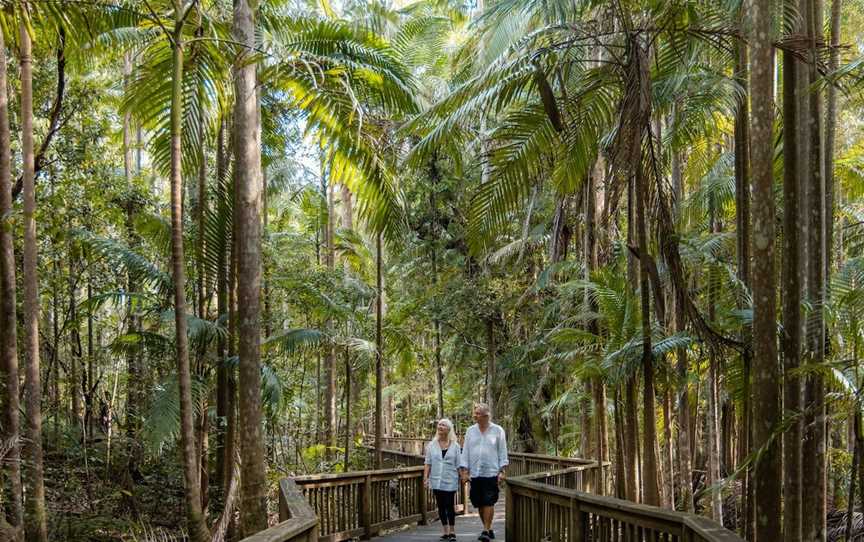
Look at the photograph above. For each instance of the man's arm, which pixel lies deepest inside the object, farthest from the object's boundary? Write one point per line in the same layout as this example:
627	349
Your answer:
503	459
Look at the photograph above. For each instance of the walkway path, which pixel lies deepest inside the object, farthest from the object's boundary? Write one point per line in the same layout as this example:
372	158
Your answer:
468	527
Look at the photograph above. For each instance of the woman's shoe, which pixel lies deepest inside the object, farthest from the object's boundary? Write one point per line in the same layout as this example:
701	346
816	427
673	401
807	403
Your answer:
452	537
444	538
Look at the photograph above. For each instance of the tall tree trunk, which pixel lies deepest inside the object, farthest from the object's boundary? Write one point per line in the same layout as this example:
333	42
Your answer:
651	486
853	476
791	276
491	368
742	226
330	350
195	519
37	528
631	441
621	484
8	319
766	377
379	354
813	504
685	468
222	309
713	415
668	461
830	138
247	155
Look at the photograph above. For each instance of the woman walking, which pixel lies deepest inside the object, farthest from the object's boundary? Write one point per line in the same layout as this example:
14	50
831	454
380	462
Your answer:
442	475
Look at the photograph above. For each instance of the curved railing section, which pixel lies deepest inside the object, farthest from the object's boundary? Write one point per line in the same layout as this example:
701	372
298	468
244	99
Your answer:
554	506
297	519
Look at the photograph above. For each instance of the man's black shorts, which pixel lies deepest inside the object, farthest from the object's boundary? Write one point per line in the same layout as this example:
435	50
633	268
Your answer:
484	491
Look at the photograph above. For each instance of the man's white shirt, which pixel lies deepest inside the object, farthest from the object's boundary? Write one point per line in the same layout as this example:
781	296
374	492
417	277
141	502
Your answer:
484	454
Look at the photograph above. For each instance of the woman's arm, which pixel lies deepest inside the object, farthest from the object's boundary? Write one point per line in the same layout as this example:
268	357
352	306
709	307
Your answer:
426	469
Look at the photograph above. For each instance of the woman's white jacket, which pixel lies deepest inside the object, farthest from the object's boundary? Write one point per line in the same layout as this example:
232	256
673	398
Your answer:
443	471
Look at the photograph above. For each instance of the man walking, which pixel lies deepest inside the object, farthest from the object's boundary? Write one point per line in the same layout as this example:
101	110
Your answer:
484	456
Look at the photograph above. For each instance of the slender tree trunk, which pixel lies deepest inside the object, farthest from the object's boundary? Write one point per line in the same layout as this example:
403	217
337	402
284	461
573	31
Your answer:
791	276
330	428
713	386
379	346
853	476
668	461
650	482
491	368
8	319
37	529
195	518
222	309
830	138
247	155
742	225
813	502
766	397
621	484
685	468
631	441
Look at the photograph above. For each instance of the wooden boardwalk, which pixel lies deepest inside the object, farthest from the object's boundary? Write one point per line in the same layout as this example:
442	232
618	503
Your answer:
468	527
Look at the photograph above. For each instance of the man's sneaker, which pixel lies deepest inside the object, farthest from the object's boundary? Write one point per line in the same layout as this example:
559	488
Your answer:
484	536
491	534
452	537
444	538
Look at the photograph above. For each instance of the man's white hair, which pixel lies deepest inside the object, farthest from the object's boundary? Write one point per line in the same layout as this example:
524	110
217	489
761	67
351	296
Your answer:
482	407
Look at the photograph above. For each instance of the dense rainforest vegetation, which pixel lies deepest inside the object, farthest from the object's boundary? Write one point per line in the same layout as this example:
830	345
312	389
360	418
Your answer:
242	240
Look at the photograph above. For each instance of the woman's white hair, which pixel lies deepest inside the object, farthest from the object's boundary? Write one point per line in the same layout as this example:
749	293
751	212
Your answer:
451	433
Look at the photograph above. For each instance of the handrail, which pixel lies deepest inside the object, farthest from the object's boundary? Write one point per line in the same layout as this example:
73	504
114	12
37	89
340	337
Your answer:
521	463
364	503
297	519
554	506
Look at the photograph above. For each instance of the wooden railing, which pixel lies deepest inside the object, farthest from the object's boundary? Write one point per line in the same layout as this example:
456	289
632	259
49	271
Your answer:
553	506
364	503
403	451
297	520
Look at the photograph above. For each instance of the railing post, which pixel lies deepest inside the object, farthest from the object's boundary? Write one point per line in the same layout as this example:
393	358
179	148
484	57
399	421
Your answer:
509	514
366	507
577	522
421	501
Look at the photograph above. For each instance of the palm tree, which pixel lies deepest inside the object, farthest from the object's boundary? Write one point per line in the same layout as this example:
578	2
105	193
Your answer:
248	187
766	377
8	320
37	528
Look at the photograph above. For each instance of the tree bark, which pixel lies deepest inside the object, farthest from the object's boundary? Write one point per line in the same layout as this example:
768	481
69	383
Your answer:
37	529
195	519
330	349
491	368
685	467
8	319
631	441
650	482
766	396
742	225
791	277
379	345
713	388
830	138
247	156
813	504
